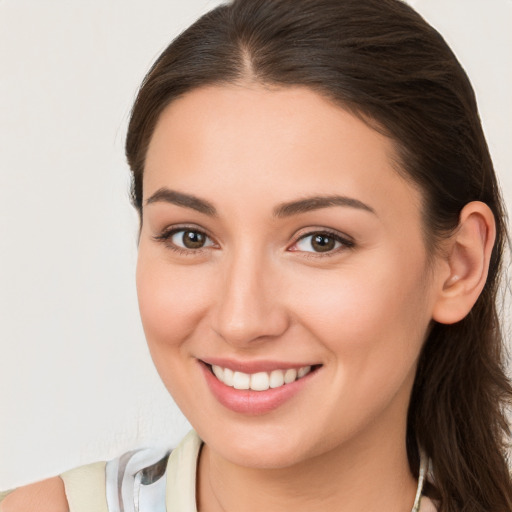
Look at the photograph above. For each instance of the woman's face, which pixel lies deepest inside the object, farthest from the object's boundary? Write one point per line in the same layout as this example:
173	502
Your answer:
278	239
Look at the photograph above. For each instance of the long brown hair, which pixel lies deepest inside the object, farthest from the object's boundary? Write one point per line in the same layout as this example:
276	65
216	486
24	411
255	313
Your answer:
382	61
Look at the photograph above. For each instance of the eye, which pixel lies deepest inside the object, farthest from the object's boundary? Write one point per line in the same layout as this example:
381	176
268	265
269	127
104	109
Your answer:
321	242
185	240
189	239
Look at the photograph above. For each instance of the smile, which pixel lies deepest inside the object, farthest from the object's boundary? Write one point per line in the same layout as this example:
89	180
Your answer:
260	381
256	388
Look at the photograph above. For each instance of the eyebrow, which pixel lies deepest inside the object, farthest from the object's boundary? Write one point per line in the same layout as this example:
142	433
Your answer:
180	199
316	203
280	211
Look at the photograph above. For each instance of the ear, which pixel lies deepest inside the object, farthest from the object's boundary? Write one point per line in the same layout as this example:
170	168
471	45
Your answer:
467	256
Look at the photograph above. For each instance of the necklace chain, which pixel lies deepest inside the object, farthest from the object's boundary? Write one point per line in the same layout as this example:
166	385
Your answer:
424	463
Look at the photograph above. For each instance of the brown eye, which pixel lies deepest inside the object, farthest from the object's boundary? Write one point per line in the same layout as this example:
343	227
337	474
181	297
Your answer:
193	239
322	242
189	239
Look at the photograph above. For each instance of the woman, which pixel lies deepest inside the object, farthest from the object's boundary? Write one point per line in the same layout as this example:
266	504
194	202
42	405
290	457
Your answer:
319	258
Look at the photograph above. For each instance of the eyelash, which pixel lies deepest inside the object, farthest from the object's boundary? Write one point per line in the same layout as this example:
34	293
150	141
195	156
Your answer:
345	241
166	235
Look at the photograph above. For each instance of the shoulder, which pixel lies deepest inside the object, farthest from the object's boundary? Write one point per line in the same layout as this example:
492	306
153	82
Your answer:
136	480
101	486
77	490
45	496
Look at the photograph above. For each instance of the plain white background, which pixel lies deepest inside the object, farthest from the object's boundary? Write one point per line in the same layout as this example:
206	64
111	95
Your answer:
76	380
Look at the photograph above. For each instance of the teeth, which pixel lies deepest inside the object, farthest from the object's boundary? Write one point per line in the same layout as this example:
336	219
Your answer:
276	378
303	371
241	380
228	377
260	381
290	375
218	372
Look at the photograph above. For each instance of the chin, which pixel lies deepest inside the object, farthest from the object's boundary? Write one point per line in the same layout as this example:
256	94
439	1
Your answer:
259	447
258	458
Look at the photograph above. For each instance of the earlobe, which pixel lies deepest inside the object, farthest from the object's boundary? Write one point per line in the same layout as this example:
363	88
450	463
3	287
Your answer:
468	256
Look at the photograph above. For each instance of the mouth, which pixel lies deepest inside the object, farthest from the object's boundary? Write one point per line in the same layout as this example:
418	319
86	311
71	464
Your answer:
261	388
260	381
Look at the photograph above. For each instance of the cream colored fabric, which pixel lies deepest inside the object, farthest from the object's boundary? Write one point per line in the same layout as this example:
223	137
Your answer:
85	488
181	475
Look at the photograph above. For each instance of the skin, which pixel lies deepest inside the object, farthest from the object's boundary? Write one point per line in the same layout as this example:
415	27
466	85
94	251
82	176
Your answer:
253	292
46	496
257	290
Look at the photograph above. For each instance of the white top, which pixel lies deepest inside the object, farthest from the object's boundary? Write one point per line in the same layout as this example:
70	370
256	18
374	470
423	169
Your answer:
138	481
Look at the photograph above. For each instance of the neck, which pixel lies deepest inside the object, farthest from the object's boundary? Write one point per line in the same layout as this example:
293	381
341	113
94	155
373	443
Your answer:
371	472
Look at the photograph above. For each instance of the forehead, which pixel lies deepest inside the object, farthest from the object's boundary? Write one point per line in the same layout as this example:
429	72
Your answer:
239	142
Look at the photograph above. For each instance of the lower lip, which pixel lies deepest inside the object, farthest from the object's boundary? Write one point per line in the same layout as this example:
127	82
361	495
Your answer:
247	401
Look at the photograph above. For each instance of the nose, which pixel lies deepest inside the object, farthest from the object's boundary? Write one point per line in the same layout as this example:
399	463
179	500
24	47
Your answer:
249	306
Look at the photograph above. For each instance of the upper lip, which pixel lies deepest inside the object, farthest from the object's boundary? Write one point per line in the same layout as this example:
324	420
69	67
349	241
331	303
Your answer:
253	366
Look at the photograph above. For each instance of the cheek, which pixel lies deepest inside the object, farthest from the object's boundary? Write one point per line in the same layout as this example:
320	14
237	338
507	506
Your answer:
171	300
373	326
370	316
